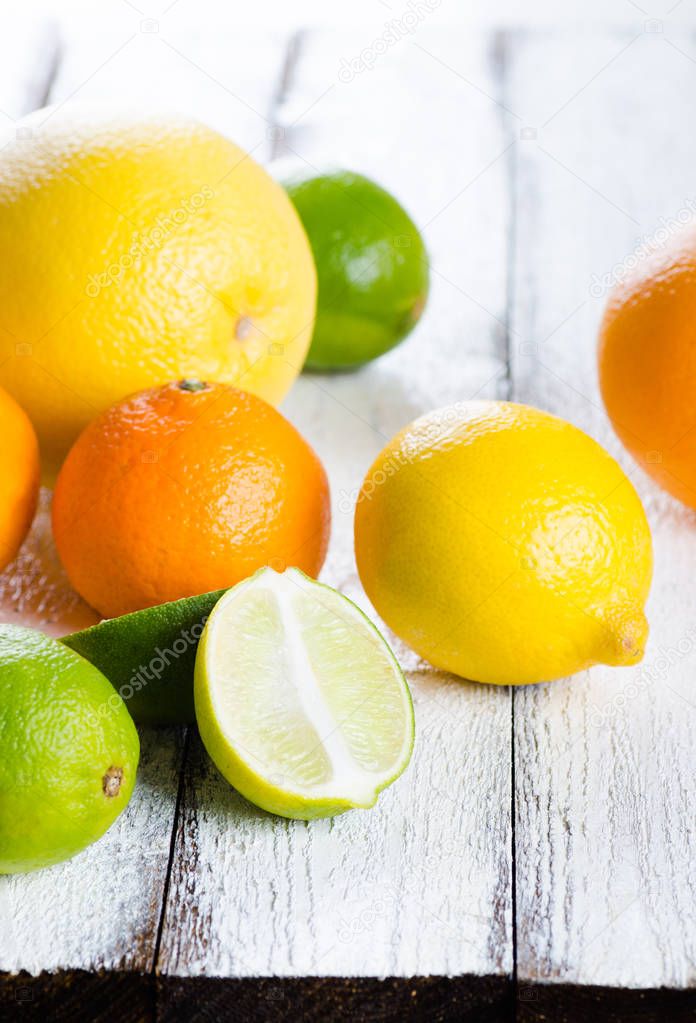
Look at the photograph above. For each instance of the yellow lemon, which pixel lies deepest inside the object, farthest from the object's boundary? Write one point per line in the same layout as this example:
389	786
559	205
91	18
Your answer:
505	545
140	251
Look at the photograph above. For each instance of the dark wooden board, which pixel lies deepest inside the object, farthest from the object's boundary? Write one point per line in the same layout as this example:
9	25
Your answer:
339	1000
85	997
573	1003
78	996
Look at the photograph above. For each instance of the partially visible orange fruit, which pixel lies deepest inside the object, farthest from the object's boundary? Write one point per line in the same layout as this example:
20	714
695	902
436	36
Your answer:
647	365
183	489
19	476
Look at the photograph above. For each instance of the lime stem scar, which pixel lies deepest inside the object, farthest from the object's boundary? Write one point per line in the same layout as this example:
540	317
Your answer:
111	782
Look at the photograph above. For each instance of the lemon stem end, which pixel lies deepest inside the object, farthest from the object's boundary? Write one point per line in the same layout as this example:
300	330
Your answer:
627	636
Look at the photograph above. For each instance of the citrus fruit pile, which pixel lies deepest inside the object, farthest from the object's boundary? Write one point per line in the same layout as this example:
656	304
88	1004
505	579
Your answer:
148	342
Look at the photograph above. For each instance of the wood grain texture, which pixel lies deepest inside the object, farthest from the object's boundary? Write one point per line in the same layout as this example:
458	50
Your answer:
421	884
605	795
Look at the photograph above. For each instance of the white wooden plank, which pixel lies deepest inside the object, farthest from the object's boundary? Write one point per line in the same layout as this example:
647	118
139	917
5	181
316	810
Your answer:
28	54
372	16
421	883
111	896
226	79
605	795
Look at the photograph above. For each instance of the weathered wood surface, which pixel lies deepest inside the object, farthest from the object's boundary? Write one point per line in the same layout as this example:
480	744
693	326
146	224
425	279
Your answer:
605	795
518	224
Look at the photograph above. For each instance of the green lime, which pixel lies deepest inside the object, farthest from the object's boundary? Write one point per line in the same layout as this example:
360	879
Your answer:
69	752
149	656
300	702
372	268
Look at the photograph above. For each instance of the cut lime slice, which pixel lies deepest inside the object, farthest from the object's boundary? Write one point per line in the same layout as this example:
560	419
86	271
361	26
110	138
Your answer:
300	703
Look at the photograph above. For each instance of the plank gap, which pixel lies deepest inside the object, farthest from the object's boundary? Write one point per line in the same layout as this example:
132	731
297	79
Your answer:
53	66
500	59
172	846
286	78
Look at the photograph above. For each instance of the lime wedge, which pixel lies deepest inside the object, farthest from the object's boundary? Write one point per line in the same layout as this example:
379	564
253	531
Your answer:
300	703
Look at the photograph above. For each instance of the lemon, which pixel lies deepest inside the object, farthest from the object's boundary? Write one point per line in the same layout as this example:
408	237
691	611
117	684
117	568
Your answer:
504	545
300	702
137	251
149	656
69	751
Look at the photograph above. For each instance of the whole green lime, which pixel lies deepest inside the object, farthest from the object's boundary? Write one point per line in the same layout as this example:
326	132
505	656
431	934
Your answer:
372	268
149	656
69	752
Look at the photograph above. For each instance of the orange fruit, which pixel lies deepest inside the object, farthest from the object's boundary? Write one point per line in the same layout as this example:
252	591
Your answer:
647	365
19	476
186	488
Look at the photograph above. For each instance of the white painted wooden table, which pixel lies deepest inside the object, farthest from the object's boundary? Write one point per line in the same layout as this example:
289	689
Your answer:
535	862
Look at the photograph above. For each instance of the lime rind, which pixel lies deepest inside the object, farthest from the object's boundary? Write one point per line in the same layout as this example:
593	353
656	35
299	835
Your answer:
70	752
300	702
372	267
149	656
